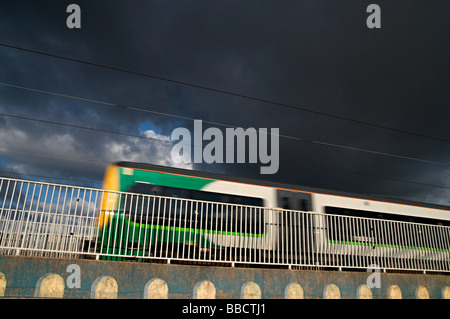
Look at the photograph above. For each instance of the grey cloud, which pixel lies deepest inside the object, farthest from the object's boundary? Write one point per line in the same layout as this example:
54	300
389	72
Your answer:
313	54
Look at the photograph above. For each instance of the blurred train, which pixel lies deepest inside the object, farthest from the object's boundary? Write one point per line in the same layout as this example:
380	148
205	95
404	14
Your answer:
150	210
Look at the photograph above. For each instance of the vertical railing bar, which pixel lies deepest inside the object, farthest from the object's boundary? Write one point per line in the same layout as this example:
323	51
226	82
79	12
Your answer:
63	222
195	248
245	234
54	221
360	239
395	244
341	241
435	247
392	241
169	231
73	216
309	237
291	244
446	240
132	224
295	239
439	230
342	244
426	248
209	224
440	247
32	238
142	226
179	216
392	245
355	241
163	230
160	228
17	219
104	242
227	236
253	234
447	246
81	229
90	222
183	217
216	231
278	236
336	241
432	247
153	229
402	245
22	220
422	247
39	241
385	242
202	241
350	239
368	242
190	239
125	229
413	245
120	222
409	245
8	218
306	239
221	247
347	241
378	242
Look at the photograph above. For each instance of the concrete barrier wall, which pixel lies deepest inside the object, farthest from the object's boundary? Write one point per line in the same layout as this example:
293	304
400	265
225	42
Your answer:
32	277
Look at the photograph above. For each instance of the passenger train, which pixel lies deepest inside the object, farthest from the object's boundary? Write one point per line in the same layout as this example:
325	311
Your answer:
221	213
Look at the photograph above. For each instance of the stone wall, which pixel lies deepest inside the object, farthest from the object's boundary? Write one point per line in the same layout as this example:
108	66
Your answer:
33	277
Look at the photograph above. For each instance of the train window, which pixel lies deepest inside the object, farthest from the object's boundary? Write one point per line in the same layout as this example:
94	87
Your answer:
386	216
294	200
303	205
234	218
145	188
286	203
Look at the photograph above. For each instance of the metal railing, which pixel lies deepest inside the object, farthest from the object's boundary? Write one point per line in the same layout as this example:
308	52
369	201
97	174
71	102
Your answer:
43	219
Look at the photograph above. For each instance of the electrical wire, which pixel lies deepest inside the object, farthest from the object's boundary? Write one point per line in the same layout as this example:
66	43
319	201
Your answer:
210	122
185	118
248	97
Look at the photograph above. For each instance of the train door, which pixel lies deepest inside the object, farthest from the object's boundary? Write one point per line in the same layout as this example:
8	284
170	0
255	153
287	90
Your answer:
295	227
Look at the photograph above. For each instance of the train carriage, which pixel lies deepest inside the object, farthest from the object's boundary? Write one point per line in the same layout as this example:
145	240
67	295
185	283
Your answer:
155	211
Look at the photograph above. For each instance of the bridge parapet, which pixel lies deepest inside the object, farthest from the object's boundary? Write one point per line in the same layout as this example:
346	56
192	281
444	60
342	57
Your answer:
35	277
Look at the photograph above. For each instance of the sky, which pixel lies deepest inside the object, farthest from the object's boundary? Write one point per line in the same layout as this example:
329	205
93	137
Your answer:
358	109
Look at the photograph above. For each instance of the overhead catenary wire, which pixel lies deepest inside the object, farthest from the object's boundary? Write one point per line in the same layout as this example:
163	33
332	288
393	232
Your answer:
161	140
293	161
216	123
225	92
65	158
185	118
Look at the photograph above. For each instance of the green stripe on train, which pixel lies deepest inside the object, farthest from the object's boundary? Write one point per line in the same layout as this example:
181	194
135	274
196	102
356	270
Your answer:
123	235
202	231
129	177
366	244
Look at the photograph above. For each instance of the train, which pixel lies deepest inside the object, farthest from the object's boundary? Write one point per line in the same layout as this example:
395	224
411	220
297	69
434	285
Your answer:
151	211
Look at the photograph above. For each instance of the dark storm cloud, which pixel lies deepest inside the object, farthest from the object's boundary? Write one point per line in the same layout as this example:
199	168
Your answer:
313	54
